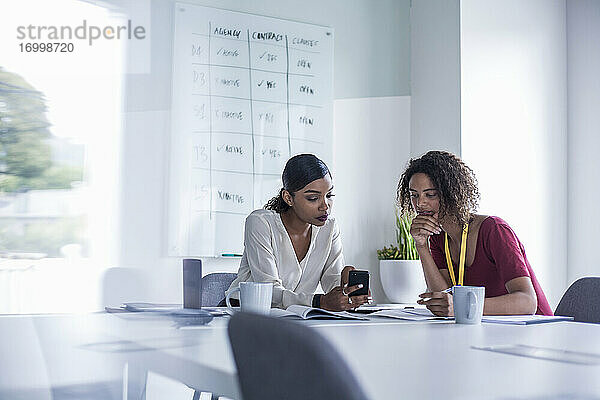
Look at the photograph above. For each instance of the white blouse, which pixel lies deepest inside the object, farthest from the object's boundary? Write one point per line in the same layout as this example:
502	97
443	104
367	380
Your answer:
269	256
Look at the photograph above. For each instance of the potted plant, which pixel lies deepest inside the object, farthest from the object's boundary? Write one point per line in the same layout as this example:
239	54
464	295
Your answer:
399	265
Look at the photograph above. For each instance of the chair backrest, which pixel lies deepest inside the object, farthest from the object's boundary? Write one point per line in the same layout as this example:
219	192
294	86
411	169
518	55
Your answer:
278	359
581	300
214	286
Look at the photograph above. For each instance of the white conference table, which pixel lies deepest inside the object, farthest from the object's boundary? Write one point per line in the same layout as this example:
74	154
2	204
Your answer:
392	359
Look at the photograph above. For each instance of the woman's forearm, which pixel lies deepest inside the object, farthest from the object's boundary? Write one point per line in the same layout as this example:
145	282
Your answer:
434	279
516	303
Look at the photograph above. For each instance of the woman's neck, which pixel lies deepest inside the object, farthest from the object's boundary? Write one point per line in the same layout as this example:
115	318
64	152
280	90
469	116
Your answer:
293	224
453	229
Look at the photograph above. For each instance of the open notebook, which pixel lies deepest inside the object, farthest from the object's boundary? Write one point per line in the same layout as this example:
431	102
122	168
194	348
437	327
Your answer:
304	312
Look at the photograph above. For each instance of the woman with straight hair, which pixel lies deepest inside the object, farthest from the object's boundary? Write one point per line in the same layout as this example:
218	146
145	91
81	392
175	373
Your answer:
458	246
294	243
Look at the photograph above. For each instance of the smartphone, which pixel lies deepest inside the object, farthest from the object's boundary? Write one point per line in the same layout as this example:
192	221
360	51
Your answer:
356	277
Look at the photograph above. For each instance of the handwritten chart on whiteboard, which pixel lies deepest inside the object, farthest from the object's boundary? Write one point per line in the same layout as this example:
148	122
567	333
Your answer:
248	93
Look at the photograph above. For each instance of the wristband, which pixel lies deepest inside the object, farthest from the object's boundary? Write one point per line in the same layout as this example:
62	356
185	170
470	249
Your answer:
316	302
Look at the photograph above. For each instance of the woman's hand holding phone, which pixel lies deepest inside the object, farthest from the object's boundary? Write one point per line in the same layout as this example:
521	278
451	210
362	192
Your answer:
338	300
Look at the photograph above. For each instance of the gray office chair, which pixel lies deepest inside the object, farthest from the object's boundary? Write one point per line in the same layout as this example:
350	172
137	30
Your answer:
278	359
581	300
214	286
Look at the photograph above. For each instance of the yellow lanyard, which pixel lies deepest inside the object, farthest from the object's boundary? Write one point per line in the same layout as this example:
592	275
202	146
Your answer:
463	255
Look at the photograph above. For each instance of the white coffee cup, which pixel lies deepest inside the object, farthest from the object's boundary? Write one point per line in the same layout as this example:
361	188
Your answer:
468	304
255	297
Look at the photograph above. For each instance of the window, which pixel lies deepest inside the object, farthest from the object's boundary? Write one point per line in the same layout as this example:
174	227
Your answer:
60	127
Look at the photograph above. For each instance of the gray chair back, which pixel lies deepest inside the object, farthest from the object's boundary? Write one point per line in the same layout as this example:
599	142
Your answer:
214	286
581	300
278	359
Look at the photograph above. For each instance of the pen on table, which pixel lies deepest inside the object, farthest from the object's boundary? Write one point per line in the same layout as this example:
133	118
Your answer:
230	255
449	290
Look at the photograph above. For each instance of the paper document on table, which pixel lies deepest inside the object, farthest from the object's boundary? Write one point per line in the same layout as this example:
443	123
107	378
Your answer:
409	315
545	353
371	308
523	319
150	307
162	308
304	312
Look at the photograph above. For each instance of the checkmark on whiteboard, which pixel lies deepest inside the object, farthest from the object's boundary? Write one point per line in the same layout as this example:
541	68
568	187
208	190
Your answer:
263	54
261	82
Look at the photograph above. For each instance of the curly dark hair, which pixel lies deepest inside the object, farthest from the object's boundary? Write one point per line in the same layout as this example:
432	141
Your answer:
455	181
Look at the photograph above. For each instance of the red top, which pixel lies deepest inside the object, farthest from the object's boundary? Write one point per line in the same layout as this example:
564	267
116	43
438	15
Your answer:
499	257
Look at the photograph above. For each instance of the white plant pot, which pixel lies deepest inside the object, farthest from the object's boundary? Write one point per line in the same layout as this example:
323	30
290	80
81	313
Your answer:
402	280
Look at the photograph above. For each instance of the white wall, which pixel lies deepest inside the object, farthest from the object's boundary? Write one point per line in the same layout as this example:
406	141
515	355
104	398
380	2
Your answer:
583	32
371	148
514	123
435	76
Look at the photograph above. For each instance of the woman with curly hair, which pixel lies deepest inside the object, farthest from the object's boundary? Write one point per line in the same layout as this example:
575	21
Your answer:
294	243
457	246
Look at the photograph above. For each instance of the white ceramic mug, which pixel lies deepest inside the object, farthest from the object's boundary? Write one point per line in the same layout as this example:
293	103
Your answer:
255	297
468	304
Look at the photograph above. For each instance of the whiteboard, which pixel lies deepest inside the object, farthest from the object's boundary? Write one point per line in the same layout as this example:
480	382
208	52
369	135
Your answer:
248	92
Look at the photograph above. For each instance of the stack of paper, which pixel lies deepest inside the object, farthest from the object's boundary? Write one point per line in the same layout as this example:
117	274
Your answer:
175	312
150	307
175	309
